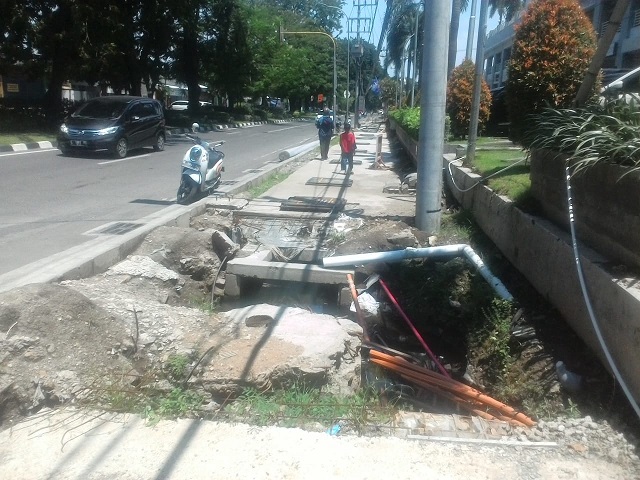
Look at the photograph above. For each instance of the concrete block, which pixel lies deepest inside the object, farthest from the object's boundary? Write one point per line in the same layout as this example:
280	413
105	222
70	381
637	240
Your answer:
290	272
223	245
232	285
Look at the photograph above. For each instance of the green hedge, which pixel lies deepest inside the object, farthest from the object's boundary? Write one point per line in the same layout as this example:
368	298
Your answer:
409	121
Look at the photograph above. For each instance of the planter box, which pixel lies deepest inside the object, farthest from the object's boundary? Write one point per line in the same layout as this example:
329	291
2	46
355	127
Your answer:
411	146
543	253
606	204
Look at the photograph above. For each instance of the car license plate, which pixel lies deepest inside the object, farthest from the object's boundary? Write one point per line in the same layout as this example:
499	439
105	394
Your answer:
78	143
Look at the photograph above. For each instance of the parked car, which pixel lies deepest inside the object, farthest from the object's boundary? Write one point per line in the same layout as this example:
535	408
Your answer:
115	123
184	105
179	105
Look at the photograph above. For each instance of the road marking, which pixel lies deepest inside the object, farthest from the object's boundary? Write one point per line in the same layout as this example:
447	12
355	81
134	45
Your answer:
124	159
37	150
280	129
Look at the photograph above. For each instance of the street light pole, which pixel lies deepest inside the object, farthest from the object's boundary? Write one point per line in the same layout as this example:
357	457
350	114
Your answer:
348	93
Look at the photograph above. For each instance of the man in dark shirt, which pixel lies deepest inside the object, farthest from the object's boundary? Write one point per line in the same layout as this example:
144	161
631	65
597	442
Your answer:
325	132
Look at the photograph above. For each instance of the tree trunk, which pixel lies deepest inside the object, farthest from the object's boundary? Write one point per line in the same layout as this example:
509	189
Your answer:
191	65
601	52
456	8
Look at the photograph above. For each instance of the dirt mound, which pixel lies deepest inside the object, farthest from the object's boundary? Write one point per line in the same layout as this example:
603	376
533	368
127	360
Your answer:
55	343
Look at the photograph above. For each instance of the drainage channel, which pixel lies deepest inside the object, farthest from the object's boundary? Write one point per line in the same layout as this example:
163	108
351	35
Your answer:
287	260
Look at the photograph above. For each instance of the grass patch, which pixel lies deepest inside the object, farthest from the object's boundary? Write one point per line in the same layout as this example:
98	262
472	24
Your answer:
508	172
301	406
271	181
178	403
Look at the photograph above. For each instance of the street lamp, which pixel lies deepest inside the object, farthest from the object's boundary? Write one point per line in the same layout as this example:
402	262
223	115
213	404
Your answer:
348	94
335	71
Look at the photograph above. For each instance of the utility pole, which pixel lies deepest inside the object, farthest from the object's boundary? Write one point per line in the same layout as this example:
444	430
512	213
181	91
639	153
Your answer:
472	29
437	15
415	58
477	85
358	51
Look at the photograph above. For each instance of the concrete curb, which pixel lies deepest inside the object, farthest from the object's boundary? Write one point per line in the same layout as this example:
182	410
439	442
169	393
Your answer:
23	147
97	255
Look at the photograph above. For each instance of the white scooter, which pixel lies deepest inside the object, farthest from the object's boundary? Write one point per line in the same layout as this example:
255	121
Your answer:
202	168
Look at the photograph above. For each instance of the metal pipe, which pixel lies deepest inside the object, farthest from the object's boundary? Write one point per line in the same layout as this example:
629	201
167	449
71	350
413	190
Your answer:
456	250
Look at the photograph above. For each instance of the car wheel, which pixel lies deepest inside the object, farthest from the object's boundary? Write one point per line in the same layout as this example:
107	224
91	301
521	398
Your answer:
121	148
159	145
63	150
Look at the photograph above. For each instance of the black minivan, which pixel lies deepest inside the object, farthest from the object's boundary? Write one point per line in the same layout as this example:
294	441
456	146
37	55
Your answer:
117	123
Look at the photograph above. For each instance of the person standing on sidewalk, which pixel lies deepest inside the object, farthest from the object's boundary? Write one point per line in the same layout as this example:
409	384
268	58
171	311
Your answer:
347	148
325	132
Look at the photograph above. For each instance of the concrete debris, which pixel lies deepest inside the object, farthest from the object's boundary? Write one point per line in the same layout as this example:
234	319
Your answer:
143	266
404	238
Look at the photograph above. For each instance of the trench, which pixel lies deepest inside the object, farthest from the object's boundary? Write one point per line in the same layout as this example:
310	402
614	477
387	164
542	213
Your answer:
451	304
444	290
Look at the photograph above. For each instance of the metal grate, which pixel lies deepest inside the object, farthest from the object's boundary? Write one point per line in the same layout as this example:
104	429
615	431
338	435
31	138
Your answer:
119	228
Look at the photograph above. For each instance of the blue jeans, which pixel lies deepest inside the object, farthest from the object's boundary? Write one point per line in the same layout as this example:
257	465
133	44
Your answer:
346	158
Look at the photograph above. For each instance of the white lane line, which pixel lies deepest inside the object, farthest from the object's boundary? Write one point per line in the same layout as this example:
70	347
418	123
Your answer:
37	150
280	129
124	159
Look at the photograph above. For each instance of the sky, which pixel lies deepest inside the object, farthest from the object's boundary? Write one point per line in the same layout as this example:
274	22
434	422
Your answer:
377	14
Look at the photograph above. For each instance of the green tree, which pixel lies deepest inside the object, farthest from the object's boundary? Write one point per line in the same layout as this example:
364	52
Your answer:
388	92
45	38
553	46
459	99
231	65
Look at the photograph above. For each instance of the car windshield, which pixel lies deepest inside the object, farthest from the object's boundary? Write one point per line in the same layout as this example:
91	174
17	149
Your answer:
101	109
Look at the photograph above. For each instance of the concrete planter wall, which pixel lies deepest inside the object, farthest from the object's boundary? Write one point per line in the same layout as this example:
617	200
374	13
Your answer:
411	146
606	204
543	253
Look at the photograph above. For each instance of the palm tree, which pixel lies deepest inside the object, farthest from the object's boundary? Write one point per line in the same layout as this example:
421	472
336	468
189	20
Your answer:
402	26
457	7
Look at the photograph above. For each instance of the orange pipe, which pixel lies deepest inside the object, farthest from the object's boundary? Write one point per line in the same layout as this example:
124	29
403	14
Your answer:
423	374
522	420
354	295
450	384
451	397
469	405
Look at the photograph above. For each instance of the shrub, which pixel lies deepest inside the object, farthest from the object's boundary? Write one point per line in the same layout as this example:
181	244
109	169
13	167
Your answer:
409	121
460	98
553	46
260	114
607	133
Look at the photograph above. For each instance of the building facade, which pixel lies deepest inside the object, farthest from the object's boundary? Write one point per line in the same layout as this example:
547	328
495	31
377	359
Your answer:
623	54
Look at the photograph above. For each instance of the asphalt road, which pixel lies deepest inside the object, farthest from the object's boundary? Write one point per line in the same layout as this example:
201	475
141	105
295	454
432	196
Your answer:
52	203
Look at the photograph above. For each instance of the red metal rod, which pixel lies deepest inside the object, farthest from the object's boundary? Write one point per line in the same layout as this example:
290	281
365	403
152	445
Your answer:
413	329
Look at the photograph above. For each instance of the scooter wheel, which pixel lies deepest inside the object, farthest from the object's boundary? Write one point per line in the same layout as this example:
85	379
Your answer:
186	193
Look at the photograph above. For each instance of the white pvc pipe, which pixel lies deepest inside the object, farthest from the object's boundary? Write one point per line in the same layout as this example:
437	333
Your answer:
457	250
293	151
